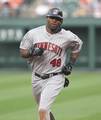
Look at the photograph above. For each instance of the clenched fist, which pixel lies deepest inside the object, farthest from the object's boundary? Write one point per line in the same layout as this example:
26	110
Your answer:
36	51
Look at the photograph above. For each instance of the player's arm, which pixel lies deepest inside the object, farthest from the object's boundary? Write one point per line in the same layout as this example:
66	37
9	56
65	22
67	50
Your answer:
24	53
32	51
75	51
75	47
27	47
73	57
68	67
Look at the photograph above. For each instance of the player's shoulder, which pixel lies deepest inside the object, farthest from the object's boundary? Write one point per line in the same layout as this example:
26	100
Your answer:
36	30
67	32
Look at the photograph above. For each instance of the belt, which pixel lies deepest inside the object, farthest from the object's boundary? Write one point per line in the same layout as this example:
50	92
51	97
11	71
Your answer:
46	76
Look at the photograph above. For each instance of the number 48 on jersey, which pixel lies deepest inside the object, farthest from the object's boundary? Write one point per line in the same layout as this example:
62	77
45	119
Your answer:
56	62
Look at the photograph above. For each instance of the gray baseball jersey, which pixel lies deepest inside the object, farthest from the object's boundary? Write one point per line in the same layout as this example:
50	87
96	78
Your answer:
54	45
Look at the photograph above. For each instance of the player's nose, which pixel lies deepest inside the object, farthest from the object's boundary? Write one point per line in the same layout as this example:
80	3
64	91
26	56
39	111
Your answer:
54	19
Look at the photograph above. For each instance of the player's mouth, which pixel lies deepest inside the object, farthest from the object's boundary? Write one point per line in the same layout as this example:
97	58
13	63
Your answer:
54	24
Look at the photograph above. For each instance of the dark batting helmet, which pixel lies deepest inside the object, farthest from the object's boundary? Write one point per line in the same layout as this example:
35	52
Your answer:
55	12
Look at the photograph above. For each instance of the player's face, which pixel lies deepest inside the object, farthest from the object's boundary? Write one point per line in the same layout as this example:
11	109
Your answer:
53	23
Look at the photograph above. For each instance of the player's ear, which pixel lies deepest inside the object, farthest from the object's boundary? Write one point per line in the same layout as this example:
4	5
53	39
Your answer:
61	21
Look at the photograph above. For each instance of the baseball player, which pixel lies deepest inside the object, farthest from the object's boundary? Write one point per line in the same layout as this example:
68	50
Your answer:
45	49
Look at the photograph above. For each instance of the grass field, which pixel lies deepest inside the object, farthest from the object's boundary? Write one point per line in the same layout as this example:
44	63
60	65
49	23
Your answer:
80	101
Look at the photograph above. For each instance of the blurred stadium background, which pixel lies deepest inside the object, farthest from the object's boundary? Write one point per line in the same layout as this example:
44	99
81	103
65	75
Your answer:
81	101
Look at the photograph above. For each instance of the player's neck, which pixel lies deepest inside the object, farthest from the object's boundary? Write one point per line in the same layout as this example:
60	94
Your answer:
49	30
53	31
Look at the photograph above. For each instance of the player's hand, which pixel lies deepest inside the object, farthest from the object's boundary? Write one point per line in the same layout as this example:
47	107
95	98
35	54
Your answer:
36	51
66	70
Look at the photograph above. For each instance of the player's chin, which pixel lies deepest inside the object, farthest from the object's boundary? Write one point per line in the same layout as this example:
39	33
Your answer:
54	27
